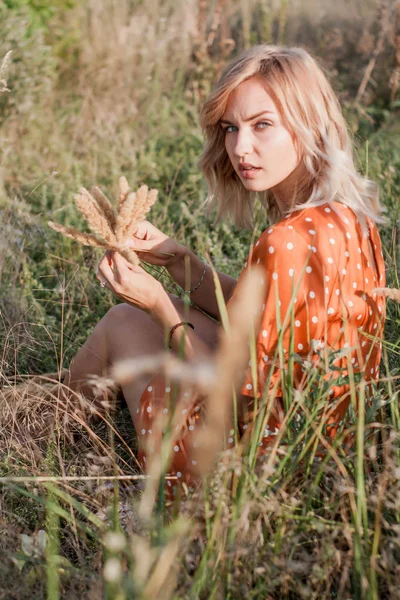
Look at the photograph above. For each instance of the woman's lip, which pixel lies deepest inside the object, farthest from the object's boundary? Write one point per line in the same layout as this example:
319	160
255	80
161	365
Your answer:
249	173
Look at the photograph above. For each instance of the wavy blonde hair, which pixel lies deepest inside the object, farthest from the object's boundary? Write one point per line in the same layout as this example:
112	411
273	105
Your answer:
311	111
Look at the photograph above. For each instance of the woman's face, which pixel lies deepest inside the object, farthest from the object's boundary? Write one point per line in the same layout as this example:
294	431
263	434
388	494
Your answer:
261	149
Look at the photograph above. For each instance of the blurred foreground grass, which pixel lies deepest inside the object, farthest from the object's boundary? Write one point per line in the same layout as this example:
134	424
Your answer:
99	89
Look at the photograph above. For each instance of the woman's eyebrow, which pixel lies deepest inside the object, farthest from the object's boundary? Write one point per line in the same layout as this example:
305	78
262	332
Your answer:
264	112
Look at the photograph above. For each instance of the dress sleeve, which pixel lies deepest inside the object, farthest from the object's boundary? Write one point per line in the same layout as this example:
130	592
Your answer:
293	310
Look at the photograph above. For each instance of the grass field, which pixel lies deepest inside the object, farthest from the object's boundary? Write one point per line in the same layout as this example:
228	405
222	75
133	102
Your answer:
103	88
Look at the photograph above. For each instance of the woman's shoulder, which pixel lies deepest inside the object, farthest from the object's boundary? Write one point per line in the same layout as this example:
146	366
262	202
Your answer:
279	236
301	223
323	221
323	229
288	239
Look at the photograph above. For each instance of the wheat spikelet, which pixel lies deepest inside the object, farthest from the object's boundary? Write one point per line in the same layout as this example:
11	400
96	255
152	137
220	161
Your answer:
123	190
139	215
129	221
84	238
105	207
144	200
124	216
141	196
391	293
87	206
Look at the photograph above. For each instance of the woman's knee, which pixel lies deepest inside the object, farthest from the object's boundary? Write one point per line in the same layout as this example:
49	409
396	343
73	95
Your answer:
120	318
120	313
130	331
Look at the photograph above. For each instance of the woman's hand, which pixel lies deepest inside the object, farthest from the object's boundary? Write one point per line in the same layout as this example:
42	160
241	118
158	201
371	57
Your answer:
154	247
130	283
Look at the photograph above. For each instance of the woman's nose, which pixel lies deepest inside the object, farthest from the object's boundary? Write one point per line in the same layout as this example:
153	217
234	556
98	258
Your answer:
244	144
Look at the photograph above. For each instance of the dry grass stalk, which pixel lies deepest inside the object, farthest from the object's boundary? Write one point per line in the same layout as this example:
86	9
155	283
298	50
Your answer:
201	375
125	210
163	579
28	415
391	293
144	201
94	216
123	190
110	230
105	205
383	20
3	68
394	82
141	196
84	238
230	363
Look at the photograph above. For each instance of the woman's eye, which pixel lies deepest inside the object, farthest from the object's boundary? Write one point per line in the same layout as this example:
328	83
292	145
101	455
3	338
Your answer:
262	124
230	128
259	125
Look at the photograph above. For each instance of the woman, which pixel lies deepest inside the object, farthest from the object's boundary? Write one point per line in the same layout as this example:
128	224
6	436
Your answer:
274	127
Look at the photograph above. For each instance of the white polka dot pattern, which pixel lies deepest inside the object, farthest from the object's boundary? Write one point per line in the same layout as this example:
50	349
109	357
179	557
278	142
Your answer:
317	272
320	264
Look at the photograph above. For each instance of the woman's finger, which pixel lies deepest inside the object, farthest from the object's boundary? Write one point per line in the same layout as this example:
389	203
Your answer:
105	272
109	256
123	269
105	260
139	244
141	230
103	281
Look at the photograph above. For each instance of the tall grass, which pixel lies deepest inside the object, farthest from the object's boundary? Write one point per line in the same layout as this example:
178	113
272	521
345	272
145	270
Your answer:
103	88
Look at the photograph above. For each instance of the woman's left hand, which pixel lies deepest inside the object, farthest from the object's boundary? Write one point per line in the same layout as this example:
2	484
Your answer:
131	283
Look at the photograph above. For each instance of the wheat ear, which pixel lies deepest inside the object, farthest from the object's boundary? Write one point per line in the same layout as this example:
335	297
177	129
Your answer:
97	222
124	190
391	293
84	238
140	214
100	216
141	198
144	201
105	207
124	216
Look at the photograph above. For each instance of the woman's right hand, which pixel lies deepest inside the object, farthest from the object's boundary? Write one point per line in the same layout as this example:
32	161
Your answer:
154	247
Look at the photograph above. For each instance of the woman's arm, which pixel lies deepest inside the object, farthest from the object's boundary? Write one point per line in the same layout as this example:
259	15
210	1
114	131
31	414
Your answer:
137	287
155	247
188	271
183	339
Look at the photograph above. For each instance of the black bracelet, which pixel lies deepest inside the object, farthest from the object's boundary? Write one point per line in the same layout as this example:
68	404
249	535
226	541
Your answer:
176	327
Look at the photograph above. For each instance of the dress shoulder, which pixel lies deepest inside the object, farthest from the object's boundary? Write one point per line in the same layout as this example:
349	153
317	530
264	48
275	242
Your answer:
281	242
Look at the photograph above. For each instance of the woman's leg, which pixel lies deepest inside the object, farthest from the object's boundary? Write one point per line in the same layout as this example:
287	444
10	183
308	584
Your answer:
126	332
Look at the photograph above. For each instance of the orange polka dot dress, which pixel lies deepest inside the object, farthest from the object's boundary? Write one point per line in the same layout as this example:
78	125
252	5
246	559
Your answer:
320	269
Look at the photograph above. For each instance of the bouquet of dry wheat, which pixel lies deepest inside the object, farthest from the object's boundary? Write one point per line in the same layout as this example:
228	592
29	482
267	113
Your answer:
110	230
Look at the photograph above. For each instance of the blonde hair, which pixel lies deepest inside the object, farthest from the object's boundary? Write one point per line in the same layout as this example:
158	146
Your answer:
311	111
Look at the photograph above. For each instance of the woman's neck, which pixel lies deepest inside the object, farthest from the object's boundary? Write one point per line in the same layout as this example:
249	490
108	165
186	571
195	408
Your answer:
288	192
